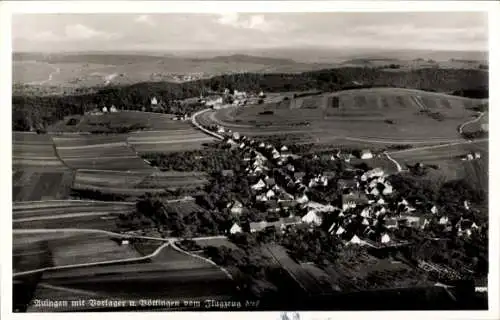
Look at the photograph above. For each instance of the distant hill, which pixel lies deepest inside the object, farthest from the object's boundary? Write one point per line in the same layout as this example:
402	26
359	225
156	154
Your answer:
243	58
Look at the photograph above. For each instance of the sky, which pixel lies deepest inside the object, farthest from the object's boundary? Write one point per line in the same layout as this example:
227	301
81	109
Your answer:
458	31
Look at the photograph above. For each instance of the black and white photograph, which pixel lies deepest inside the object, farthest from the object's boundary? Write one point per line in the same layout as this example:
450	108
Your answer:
266	160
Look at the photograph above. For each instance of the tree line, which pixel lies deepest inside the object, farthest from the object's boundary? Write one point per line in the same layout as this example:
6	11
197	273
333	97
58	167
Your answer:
31	112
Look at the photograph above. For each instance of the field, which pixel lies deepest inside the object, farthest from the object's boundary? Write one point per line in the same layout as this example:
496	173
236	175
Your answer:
448	158
216	242
33	150
307	280
68	214
97	152
175	140
31	184
149	121
170	274
183	208
68	248
379	116
136	183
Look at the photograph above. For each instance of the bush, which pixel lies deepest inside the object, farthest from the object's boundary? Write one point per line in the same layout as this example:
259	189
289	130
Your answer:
268	112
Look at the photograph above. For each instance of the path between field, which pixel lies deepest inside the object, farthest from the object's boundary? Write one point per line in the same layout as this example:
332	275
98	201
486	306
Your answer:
398	166
91	264
461	128
168	242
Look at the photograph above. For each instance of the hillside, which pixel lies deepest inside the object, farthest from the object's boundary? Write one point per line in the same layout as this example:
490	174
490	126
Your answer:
33	111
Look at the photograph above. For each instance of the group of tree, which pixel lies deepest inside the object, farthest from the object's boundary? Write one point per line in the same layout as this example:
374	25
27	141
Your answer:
208	160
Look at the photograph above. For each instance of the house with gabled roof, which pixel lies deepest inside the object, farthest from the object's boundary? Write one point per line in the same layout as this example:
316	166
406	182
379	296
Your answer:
270	193
355	240
313	217
259	185
340	231
261	197
366	154
235	228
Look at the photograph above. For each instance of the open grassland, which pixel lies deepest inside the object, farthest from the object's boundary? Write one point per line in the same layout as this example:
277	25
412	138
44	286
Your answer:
136	183
390	115
175	140
140	120
70	214
33	150
98	152
170	274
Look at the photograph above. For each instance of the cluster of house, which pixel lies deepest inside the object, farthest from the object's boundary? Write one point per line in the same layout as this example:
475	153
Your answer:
471	156
235	98
366	201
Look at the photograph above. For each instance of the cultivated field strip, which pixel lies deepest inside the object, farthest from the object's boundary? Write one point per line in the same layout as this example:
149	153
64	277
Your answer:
98	152
168	141
33	150
53	215
47	209
136	183
31	184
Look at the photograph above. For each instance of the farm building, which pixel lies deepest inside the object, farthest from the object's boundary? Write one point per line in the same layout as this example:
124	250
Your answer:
154	102
104	110
113	109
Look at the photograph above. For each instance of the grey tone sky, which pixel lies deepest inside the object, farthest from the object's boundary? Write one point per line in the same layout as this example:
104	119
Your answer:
175	32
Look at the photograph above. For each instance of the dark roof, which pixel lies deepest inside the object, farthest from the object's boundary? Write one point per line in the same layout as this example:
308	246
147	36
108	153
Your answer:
344	183
299	174
357	197
270	181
